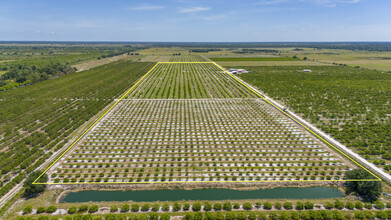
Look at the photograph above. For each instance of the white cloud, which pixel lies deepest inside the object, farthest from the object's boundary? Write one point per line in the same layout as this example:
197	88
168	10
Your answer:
270	2
147	7
193	9
334	3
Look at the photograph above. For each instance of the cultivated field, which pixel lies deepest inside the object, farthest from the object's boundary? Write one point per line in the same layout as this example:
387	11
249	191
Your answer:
193	122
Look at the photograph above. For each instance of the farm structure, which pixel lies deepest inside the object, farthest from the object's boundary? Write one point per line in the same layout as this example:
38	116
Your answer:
187	122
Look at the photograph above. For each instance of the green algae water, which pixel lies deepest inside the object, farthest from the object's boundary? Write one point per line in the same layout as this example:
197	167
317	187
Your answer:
203	194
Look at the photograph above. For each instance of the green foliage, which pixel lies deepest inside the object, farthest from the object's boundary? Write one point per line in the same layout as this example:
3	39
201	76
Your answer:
33	189
125	208
113	208
299	205
369	190
349	205
83	208
308	205
27	210
339	205
267	206
176	207
358	205
186	207
145	207
278	205
51	209
196	207
166	207
42	209
350	104
135	207
207	206
227	206
288	205
72	210
155	207
217	206
93	209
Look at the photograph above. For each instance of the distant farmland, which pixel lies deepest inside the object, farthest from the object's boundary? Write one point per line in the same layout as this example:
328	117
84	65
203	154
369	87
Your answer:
216	59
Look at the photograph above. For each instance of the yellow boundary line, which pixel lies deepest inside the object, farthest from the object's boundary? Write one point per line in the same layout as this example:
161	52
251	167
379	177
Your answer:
282	111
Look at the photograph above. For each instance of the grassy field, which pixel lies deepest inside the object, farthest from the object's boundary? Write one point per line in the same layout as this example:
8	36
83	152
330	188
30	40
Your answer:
350	104
217	59
195	123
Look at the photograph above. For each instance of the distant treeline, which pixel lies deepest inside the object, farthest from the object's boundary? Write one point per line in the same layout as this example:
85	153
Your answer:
255	51
204	50
369	46
23	74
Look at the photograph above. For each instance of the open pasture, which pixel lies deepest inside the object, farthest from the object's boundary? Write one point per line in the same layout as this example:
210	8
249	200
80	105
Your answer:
187	122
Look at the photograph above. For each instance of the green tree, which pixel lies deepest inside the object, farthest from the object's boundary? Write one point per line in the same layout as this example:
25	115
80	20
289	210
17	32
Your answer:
176	207
113	208
217	206
207	207
27	210
51	209
135	207
93	209
267	206
288	205
196	207
72	210
368	190
125	208
33	189
227	206
42	209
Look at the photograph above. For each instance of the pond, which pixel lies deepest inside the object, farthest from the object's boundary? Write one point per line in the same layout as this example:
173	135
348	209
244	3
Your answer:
203	194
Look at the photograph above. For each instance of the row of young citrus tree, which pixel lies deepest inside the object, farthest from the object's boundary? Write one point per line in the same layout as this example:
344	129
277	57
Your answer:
230	215
207	207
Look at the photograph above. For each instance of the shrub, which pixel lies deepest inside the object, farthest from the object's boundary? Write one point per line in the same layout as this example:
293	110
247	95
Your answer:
339	205
93	209
309	205
359	205
186	207
388	204
288	205
217	206
27	210
125	208
349	205
278	205
176	207
299	205
189	216
155	207
262	216
135	207
145	207
83	208
207	206
198	216
166	207
230	216
236	206
247	206
51	209
227	206
165	216
329	205
368	205
152	216
72	210
43	209
252	216
379	205
196	207
241	216
267	206
113	208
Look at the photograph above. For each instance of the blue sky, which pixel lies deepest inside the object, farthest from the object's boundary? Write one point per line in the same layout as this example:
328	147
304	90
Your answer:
196	20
